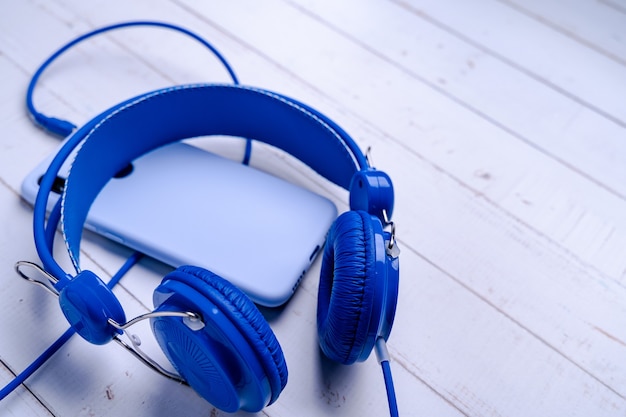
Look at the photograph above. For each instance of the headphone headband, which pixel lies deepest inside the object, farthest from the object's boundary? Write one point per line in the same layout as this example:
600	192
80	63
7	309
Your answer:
149	121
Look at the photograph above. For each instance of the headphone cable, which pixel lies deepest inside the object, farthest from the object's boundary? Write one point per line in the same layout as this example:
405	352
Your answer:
63	127
391	392
382	354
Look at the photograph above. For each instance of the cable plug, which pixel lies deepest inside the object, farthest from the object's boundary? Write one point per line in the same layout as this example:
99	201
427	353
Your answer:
59	127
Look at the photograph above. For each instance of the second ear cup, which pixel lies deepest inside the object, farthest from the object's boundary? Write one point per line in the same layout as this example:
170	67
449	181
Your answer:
232	358
346	291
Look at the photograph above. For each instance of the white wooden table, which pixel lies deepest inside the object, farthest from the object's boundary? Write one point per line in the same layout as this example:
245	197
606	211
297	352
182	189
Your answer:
502	124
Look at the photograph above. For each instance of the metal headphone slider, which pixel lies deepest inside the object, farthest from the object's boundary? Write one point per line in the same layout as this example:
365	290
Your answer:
192	320
392	248
49	284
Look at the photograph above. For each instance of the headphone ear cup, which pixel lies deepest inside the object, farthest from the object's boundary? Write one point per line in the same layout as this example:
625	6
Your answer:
234	361
346	291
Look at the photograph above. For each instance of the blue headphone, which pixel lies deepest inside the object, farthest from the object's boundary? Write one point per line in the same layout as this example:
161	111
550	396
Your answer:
214	336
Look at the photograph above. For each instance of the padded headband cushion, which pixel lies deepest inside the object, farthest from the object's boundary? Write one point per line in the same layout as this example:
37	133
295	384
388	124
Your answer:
140	125
346	290
244	314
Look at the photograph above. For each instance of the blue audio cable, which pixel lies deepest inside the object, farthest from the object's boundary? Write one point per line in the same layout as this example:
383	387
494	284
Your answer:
64	128
382	354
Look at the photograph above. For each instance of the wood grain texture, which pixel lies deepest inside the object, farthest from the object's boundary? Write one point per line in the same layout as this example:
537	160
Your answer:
502	125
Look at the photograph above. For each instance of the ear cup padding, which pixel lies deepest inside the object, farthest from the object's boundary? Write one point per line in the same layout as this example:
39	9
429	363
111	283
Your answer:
345	290
246	317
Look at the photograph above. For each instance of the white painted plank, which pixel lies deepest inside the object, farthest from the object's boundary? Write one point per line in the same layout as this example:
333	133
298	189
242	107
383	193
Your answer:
592	23
545	54
617	5
523	378
20	402
540	286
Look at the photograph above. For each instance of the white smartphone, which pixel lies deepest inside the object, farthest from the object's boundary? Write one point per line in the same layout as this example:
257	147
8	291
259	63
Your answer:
184	205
